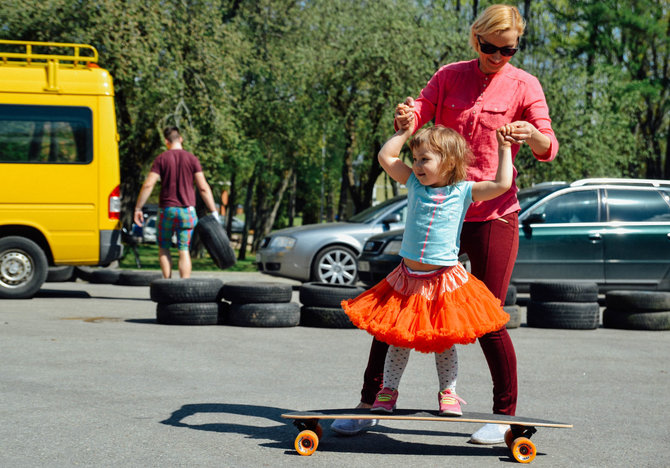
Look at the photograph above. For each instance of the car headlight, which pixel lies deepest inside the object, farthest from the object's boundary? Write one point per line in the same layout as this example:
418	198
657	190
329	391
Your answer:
282	242
393	247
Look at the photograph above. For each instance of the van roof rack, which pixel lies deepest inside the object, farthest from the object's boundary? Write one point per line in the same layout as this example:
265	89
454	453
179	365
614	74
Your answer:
29	55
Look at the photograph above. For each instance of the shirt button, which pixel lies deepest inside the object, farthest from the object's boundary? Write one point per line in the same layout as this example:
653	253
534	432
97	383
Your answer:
474	112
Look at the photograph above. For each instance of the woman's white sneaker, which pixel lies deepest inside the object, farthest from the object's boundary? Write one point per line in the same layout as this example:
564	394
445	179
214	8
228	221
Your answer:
490	434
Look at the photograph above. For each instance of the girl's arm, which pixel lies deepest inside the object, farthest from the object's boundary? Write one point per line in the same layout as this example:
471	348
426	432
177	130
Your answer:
488	189
389	157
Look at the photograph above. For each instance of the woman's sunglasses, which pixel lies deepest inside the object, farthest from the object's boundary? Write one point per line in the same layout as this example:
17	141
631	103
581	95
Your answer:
487	48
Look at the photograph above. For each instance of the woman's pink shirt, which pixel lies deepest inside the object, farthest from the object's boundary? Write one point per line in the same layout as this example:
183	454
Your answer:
460	96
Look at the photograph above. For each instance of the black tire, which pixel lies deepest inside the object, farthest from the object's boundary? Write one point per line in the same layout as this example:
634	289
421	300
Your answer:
284	314
569	315
172	291
564	291
244	292
335	264
654	320
514	316
105	276
23	268
138	278
324	317
215	240
638	300
60	274
83	273
510	298
327	295
188	313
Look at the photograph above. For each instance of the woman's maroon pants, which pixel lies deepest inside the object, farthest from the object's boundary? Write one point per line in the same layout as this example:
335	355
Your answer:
492	247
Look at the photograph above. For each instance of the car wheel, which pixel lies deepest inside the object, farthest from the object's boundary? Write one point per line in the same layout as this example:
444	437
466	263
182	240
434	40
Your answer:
171	291
335	265
324	317
23	267
327	295
283	314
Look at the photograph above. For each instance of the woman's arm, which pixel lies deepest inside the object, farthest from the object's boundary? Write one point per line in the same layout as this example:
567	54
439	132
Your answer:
488	189
389	156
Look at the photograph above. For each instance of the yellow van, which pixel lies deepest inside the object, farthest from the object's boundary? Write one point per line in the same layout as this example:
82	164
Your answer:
59	163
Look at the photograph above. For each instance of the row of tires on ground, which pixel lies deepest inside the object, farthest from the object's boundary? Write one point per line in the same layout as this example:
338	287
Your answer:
208	301
575	305
59	274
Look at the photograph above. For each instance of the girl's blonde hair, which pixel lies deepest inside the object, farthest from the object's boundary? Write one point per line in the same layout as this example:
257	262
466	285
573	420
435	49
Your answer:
452	148
496	18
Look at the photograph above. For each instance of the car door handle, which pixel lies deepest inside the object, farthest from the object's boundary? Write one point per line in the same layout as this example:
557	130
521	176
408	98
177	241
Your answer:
595	237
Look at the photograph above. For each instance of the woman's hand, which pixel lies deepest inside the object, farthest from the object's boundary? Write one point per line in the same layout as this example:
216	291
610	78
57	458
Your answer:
521	131
404	115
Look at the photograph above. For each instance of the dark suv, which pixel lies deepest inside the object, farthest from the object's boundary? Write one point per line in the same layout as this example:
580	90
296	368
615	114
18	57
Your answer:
615	232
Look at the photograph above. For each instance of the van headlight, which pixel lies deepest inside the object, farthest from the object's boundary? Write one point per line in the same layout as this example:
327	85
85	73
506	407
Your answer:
282	242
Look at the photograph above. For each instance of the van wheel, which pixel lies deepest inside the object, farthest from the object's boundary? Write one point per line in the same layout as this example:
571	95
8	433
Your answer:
23	267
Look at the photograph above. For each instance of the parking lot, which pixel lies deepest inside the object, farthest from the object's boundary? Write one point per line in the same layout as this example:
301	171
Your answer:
89	379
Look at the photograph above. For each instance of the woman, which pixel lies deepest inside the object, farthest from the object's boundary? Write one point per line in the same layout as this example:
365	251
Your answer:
474	98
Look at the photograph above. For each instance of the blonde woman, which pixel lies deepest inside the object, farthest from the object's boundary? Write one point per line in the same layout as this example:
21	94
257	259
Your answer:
474	98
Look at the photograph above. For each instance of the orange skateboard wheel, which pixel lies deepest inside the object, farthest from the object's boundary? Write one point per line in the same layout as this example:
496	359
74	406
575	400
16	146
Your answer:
523	450
306	443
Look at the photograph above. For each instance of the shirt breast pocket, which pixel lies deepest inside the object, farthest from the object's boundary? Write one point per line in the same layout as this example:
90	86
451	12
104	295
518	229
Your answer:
494	115
454	113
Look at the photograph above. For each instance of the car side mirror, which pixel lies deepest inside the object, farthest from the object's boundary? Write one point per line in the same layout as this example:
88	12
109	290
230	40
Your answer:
391	219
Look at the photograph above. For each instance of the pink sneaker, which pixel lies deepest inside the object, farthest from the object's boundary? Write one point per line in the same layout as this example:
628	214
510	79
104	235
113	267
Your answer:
450	403
385	401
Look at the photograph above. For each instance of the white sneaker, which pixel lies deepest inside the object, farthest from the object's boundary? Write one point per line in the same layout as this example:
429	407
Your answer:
490	434
352	426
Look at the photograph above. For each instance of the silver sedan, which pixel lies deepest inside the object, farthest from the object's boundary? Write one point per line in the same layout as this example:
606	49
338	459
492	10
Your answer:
327	252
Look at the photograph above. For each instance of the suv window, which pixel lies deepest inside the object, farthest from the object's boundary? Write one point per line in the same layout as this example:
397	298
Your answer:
637	205
572	207
45	134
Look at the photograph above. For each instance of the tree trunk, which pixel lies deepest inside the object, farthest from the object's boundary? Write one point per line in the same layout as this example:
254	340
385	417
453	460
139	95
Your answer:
249	215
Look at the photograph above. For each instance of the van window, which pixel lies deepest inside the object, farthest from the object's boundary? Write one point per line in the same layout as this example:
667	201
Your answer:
45	134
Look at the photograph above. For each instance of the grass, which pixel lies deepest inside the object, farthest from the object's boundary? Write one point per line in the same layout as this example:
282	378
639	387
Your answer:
148	254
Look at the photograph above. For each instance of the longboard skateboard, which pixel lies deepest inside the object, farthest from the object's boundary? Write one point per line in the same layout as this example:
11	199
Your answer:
517	437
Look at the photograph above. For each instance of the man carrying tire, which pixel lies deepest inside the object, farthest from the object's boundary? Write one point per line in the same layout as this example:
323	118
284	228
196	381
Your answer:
177	170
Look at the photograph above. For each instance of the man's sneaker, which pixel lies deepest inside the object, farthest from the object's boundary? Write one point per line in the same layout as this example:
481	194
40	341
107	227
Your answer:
490	434
450	403
385	401
352	427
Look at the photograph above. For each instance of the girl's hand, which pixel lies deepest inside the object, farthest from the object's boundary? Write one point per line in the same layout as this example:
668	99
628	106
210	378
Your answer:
521	132
404	115
503	135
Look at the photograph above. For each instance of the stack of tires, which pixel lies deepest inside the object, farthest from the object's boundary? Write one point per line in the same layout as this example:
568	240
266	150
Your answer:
191	301
321	304
512	308
637	310
570	304
259	304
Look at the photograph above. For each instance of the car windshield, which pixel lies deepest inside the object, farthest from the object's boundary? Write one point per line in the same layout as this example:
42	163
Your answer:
528	196
369	214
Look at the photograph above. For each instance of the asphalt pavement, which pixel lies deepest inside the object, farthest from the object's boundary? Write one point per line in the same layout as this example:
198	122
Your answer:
87	378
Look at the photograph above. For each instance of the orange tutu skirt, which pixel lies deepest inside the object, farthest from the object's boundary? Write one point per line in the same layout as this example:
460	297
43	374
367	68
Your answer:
428	313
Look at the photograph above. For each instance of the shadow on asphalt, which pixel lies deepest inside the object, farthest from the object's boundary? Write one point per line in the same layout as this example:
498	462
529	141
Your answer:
377	440
62	293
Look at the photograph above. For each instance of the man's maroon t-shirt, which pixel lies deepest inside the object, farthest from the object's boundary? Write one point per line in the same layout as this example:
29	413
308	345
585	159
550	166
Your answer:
176	169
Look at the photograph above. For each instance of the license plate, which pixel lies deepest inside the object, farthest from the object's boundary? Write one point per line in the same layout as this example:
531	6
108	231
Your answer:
363	266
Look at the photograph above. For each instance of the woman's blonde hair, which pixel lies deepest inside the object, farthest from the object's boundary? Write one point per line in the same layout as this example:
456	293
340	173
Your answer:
496	18
452	148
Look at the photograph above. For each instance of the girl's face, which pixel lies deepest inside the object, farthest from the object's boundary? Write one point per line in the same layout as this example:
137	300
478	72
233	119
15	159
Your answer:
429	167
493	63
